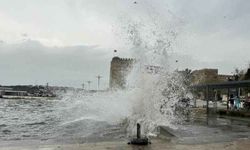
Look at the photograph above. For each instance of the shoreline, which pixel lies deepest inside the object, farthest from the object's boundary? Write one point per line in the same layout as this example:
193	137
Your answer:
25	97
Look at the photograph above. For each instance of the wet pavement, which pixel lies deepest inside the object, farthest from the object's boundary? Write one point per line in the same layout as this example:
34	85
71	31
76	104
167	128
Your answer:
157	144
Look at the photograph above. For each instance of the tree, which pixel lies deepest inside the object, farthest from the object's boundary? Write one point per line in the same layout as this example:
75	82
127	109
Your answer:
247	75
238	74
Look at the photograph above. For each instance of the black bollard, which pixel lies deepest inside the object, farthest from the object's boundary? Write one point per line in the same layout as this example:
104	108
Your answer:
138	131
139	140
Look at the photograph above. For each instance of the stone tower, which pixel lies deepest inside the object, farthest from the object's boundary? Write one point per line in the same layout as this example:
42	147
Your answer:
119	69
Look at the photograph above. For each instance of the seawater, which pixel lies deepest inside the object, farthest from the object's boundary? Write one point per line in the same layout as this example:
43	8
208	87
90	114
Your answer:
26	119
76	118
81	117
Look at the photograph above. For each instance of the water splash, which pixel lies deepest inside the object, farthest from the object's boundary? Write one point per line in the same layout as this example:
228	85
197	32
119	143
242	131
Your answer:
156	100
157	90
153	90
111	107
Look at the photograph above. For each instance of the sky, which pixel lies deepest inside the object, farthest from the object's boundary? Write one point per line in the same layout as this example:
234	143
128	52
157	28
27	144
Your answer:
70	42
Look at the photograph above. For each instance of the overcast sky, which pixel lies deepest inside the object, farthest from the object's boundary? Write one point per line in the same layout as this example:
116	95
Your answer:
68	42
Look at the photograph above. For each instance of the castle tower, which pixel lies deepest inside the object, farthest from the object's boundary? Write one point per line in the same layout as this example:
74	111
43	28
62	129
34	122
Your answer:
119	69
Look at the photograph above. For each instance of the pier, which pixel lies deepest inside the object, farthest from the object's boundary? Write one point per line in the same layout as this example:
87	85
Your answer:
5	92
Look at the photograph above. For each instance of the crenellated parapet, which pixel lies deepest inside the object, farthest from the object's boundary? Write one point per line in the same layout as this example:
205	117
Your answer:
118	60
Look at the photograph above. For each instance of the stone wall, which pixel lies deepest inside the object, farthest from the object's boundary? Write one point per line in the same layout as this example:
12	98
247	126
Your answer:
119	69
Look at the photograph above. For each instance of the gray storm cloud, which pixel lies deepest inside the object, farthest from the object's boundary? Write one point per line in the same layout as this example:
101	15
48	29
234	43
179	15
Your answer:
31	62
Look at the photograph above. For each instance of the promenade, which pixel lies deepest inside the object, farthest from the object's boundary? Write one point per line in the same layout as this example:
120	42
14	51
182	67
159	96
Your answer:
157	144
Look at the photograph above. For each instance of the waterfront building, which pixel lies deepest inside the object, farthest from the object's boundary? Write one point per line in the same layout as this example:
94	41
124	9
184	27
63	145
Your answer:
204	76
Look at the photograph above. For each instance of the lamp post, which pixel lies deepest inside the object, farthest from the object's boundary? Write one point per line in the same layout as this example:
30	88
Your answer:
89	82
98	81
177	65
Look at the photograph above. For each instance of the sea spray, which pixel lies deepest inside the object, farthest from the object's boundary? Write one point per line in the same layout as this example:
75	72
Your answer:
154	89
157	101
158	89
151	99
110	106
